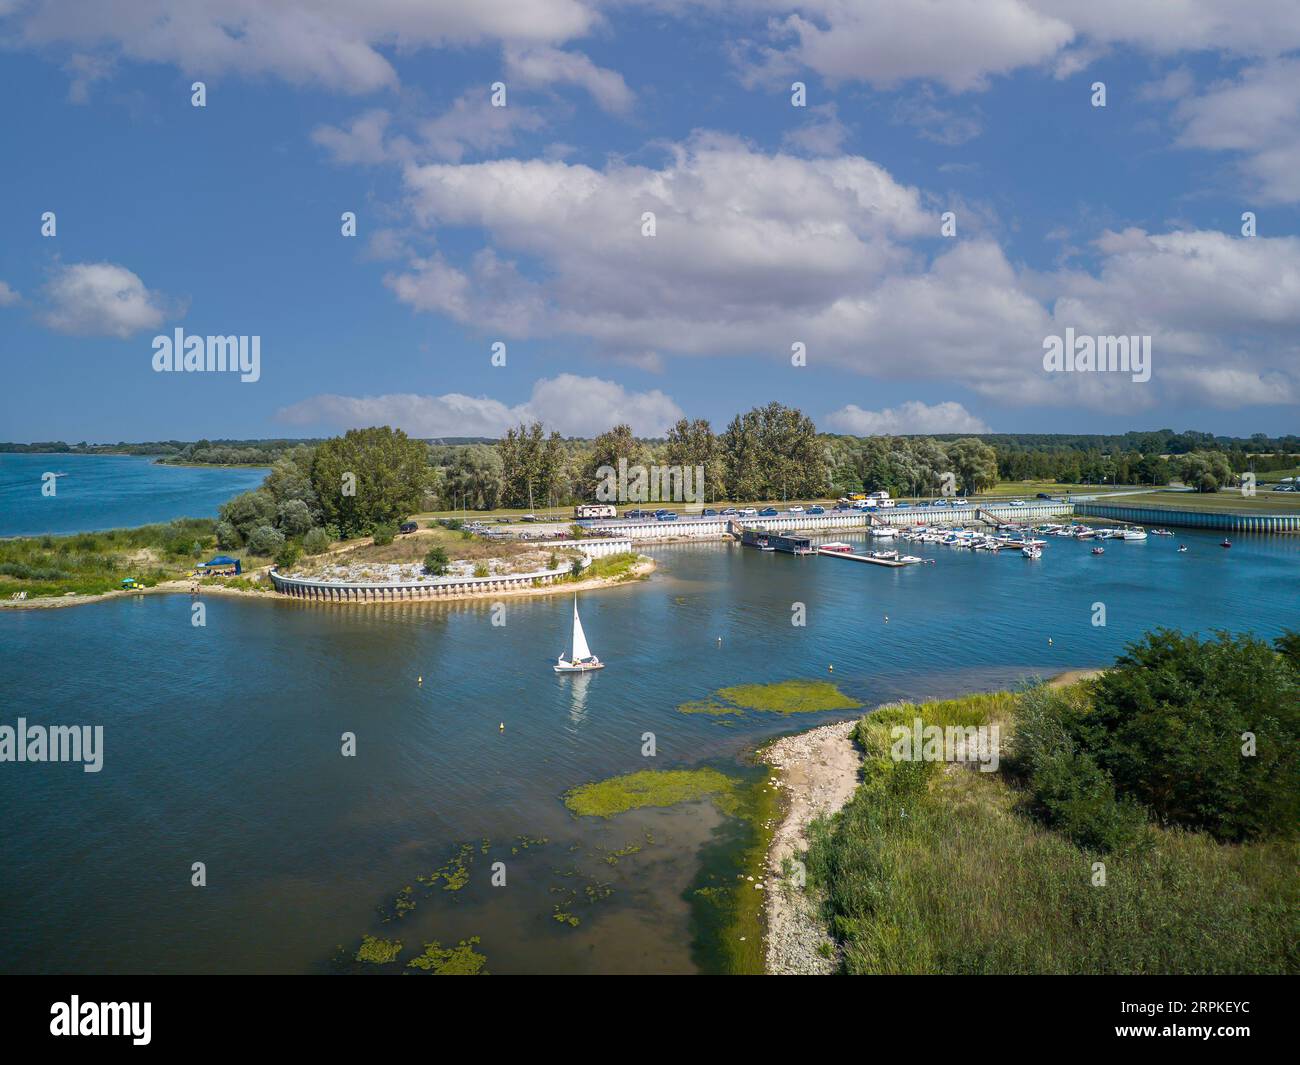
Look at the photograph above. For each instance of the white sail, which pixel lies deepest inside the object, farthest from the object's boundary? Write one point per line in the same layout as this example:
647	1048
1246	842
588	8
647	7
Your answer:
580	649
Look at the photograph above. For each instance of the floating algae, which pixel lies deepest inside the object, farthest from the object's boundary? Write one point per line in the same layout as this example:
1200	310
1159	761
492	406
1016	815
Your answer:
612	857
460	960
650	787
455	871
522	843
378	951
783	697
712	707
403	904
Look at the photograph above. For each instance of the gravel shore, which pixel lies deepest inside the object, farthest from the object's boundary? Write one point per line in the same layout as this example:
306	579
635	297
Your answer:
818	770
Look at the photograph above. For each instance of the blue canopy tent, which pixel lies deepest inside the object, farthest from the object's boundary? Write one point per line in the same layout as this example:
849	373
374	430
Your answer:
222	562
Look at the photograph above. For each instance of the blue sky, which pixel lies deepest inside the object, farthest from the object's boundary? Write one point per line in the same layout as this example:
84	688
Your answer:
774	224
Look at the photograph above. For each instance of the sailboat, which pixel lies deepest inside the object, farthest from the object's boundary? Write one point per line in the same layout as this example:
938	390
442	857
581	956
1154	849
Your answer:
581	659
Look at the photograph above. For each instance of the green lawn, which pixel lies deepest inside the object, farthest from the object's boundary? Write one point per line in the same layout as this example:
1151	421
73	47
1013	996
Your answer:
1227	501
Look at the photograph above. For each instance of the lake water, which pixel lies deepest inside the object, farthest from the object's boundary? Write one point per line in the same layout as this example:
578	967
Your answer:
222	743
110	492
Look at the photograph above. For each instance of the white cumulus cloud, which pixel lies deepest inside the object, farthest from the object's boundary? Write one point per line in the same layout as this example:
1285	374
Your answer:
574	405
910	418
101	299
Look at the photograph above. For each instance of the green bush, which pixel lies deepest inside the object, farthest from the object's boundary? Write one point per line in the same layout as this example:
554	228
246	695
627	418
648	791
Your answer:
316	542
1173	724
436	561
265	540
384	534
287	555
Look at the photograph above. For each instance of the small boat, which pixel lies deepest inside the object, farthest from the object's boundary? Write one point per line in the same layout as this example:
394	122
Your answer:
1133	535
1098	550
839	547
766	547
1161	532
1029	551
1182	548
887	556
581	660
884	532
1226	542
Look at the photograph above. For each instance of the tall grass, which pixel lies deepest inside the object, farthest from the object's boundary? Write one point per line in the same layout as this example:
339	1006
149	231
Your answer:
92	563
935	868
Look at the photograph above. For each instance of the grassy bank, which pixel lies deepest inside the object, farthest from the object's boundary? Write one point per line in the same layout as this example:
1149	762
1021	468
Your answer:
95	563
1226	502
937	867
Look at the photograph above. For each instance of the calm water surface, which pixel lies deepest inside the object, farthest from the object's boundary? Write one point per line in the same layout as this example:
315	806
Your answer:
110	492
222	743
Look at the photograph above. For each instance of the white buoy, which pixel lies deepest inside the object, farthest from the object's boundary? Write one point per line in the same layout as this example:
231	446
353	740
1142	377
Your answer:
501	727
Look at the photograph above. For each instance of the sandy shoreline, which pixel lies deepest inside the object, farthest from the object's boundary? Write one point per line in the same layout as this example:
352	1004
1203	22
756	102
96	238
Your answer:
184	586
817	772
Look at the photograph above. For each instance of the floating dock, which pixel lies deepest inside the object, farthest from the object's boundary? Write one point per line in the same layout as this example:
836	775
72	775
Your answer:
791	545
831	552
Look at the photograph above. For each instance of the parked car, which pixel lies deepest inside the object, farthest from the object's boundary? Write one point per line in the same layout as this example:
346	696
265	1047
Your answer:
730	512
407	527
816	510
796	509
749	512
665	515
1018	503
708	512
1042	495
768	512
842	506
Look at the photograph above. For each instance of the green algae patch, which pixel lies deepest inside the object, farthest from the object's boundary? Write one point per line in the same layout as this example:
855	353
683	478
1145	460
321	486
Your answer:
460	960
454	872
710	707
789	697
378	951
728	920
650	787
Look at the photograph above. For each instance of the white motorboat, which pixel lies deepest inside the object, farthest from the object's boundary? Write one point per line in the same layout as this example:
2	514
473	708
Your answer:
884	532
580	659
1133	535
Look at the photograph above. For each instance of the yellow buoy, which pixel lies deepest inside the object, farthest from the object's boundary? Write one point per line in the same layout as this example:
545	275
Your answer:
501	727
830	669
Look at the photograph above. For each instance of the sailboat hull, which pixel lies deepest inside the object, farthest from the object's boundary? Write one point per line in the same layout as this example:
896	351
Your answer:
577	667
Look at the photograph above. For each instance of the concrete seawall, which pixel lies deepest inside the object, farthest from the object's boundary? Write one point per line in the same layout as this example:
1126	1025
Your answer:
440	587
1193	519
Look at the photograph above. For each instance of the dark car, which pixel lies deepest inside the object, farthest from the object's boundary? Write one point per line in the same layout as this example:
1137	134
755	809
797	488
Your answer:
814	509
635	514
768	512
665	515
708	512
1043	495
407	527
